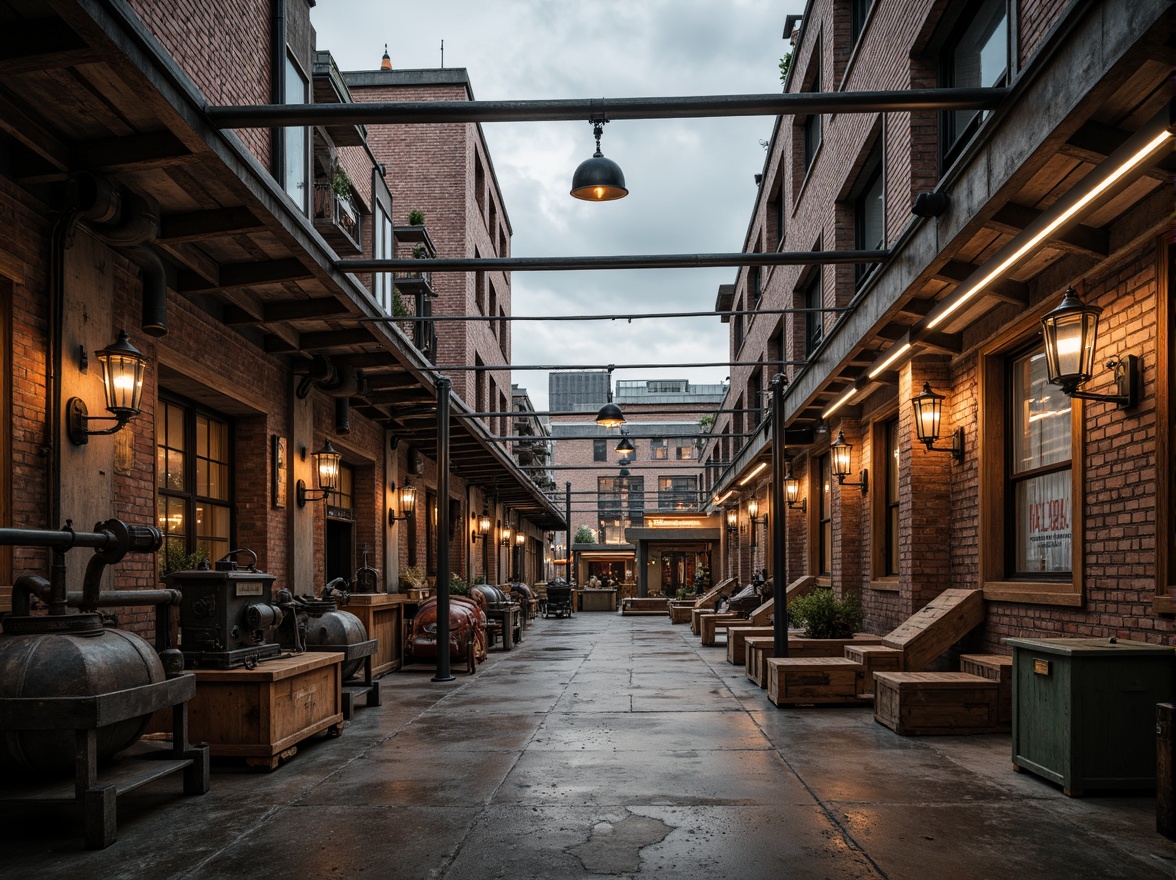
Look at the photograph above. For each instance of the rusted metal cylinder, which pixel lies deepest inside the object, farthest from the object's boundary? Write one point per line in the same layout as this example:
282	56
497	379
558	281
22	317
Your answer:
90	660
333	627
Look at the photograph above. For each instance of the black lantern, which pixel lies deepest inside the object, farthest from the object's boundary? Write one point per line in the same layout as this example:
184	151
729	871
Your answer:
504	536
610	416
482	526
1070	333
792	491
732	520
407	497
753	515
123	367
326	469
840	452
625	446
598	179
928	408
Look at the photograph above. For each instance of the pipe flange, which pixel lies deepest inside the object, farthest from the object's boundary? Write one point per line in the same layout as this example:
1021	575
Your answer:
54	624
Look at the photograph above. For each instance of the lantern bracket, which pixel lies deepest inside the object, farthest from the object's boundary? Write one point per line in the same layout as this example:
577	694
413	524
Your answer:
956	449
1126	370
77	417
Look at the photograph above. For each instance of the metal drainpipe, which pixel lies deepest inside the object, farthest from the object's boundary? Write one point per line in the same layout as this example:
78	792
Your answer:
277	80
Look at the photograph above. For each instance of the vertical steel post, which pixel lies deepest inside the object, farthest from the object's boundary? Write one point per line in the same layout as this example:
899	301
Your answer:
779	516
443	671
568	549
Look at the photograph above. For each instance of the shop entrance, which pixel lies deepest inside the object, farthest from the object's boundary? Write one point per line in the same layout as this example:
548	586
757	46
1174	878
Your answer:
677	572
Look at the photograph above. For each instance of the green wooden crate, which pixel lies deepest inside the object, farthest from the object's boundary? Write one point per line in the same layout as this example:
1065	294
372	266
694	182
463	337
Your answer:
1084	710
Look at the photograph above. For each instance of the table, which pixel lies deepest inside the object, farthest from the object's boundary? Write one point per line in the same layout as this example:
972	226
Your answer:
598	600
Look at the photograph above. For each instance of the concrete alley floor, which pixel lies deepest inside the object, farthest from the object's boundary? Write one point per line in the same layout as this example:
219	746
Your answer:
609	746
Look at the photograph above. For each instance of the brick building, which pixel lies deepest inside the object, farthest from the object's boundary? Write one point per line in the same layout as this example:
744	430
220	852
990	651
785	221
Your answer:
664	425
127	207
1060	508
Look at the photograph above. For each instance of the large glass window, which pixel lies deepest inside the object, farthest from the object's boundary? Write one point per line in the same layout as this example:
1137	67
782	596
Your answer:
620	503
1039	471
814	325
296	141
677	493
975	55
891	563
193	480
869	215
812	124
382	249
825	516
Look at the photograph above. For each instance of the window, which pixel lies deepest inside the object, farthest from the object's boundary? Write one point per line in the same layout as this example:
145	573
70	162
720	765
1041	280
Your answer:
1039	473
339	559
812	124
620	504
869	216
684	450
382	249
755	399
480	186
296	142
890	565
825	516
677	493
755	284
858	10
600	450
814	324
659	449
737	326
194	470
975	55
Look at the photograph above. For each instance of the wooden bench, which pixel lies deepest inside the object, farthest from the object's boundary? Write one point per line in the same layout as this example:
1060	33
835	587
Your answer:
737	637
912	703
874	658
680	610
708	601
759	649
644	605
813	680
921	638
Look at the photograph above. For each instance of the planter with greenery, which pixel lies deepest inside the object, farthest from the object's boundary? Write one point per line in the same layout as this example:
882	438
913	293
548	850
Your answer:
412	578
416	217
823	616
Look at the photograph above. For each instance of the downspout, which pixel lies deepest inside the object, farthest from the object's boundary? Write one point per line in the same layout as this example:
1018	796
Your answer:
277	80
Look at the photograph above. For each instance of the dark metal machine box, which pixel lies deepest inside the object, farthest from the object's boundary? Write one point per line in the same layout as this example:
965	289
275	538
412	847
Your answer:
1084	710
227	616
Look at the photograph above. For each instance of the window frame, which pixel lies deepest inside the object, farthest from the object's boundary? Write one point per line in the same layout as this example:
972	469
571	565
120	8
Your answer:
303	205
814	324
599	449
821	475
995	532
873	175
886	502
951	140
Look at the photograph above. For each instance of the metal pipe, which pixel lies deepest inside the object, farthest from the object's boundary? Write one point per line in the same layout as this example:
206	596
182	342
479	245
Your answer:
491	369
624	261
690	107
666	408
385	319
443	669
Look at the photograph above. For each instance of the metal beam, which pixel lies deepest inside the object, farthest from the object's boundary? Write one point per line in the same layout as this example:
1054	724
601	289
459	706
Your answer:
513	367
390	319
623	261
772	104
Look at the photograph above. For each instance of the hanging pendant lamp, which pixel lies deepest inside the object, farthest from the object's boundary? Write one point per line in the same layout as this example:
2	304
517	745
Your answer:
598	179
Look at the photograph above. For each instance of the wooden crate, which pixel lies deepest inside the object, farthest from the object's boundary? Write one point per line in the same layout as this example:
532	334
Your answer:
801	681
798	646
874	658
261	714
680	613
709	624
936	627
645	605
914	703
382	615
999	668
757	649
737	637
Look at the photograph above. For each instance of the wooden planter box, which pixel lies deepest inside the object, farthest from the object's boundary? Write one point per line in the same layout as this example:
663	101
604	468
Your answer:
914	703
998	667
737	637
680	611
799	680
261	714
382	615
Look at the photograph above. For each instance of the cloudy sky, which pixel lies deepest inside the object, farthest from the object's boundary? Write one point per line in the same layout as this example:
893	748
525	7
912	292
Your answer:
691	181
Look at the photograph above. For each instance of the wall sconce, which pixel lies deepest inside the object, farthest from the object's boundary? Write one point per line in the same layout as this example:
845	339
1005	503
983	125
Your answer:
504	536
326	468
520	539
753	515
123	366
407	495
732	520
481	526
840	451
928	408
1071	337
792	492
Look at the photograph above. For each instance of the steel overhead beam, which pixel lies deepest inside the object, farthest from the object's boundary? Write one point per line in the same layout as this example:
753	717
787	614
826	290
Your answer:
771	104
387	319
520	367
622	261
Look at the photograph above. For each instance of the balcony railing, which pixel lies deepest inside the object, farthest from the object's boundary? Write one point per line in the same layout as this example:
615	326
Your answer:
337	219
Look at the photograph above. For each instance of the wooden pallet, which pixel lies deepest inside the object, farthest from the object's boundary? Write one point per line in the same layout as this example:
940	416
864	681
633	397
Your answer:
914	703
799	680
936	627
999	668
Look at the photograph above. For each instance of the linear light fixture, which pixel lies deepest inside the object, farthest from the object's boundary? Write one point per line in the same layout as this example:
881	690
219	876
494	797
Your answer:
718	501
759	467
841	401
891	356
1120	163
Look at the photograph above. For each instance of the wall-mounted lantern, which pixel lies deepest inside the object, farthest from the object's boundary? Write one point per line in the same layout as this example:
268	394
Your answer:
326	469
840	452
406	495
1071	338
928	408
123	367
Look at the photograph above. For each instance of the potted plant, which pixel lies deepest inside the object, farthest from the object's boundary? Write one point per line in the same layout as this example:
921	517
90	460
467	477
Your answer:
416	217
823	616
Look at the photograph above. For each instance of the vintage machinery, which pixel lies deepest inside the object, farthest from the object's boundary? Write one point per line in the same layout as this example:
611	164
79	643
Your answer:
559	599
467	632
322	626
74	693
227	614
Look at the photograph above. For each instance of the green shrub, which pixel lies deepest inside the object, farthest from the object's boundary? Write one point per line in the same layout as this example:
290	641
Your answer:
824	616
416	217
458	586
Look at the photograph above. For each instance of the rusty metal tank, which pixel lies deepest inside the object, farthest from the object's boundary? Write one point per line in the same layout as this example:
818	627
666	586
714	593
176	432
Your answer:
467	623
69	656
326	625
495	597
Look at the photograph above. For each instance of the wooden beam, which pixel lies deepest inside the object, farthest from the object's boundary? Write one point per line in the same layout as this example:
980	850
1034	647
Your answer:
28	131
155	149
1006	290
201	225
251	274
1086	241
281	312
42	44
327	339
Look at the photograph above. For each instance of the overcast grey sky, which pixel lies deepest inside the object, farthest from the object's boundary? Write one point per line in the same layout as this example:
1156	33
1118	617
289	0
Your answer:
691	181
